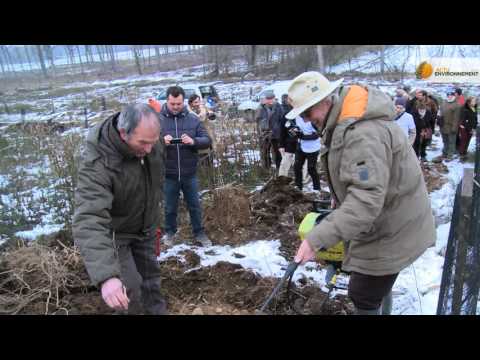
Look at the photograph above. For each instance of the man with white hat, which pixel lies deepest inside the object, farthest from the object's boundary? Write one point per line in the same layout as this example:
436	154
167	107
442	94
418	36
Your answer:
383	213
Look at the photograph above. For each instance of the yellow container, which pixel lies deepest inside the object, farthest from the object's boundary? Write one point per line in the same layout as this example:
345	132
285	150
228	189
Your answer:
334	253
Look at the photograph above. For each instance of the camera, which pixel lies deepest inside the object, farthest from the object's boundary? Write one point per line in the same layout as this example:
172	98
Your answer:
175	141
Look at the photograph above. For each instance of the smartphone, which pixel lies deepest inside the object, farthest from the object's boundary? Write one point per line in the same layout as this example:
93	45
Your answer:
175	141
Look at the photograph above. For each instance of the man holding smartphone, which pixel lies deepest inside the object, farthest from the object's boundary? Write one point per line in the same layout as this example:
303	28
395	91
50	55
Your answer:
184	134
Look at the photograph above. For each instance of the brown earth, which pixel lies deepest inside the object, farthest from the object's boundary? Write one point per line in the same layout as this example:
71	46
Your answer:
51	279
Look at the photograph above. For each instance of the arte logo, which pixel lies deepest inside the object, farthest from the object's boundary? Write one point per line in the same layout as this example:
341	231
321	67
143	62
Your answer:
424	70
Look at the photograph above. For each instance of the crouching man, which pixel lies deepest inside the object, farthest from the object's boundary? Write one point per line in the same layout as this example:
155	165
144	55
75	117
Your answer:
383	211
117	208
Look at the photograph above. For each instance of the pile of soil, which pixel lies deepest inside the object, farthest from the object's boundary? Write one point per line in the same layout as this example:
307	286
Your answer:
434	175
280	207
228	216
227	288
233	216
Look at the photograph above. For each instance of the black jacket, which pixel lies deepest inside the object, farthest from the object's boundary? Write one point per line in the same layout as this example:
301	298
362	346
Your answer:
422	123
181	160
274	121
469	118
287	141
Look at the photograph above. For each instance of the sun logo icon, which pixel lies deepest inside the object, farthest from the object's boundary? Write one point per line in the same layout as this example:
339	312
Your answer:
424	70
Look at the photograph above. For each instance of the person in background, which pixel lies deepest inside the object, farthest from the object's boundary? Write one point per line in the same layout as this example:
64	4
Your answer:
459	96
155	105
269	117
401	95
432	105
308	150
412	104
468	123
196	106
186	131
405	121
288	142
423	122
449	121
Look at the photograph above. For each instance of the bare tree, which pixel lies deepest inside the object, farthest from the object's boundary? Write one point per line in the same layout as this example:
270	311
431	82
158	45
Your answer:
70	51
48	49
157	55
382	60
1	63
8	59
80	59
88	54
101	55
136	56
111	54
27	54
321	60
42	61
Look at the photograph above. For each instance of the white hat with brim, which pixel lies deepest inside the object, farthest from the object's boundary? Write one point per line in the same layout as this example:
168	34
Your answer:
307	90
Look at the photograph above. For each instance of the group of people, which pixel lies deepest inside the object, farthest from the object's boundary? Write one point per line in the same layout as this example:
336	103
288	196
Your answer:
290	141
382	212
418	116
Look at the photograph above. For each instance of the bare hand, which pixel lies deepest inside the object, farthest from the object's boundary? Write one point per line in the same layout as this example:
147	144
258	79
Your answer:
333	204
187	140
114	294
305	253
167	139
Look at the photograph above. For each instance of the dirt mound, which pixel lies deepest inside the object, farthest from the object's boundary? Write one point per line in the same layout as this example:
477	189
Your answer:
227	288
281	207
434	175
227	215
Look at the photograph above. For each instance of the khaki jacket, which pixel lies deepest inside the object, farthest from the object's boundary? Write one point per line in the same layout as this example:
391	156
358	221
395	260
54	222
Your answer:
383	211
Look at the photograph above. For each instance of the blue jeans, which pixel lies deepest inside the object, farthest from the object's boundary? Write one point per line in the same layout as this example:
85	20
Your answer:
189	187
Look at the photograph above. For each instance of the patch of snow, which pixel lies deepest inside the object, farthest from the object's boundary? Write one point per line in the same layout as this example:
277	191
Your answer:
38	231
417	287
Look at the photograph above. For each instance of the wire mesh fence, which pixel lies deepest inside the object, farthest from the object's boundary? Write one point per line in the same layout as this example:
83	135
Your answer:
459	288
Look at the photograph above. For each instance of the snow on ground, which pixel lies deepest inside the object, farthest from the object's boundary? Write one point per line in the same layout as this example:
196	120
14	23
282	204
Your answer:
417	287
262	257
38	231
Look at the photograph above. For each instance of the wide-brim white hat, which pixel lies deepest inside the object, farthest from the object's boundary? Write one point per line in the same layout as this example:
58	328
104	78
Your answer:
308	89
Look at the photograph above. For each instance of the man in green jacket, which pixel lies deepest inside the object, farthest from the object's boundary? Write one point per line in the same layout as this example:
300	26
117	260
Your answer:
450	113
383	214
117	209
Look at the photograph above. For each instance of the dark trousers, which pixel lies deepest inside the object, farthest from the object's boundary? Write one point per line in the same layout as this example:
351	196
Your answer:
420	146
270	146
311	159
449	144
140	273
465	137
367	291
189	188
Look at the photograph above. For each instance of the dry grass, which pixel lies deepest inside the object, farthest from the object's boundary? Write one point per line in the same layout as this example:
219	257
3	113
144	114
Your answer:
35	274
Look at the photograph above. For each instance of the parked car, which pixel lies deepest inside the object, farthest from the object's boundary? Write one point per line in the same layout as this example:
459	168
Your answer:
279	88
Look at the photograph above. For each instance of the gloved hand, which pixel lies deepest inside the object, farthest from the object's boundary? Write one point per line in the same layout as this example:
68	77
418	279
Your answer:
114	294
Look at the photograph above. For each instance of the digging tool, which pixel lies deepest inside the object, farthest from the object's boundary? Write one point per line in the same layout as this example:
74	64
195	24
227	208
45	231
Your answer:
288	275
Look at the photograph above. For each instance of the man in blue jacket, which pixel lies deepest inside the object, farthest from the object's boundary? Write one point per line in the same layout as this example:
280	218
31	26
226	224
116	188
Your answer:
184	134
